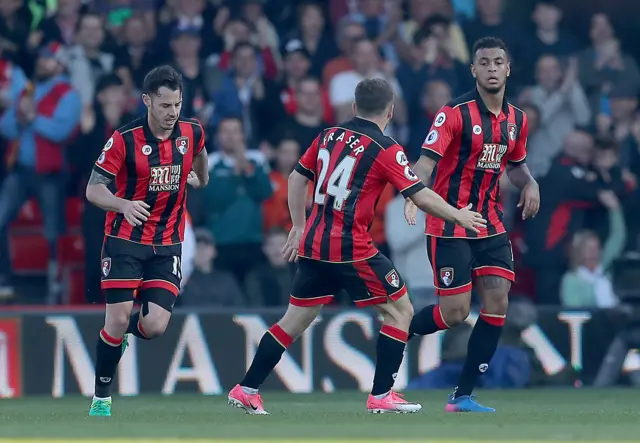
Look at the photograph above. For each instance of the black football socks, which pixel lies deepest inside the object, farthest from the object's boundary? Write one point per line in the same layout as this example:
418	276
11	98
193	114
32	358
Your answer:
389	353
272	345
135	327
482	345
427	321
108	353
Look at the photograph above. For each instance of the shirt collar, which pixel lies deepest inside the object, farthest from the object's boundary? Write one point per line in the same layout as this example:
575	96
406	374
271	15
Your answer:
148	134
483	108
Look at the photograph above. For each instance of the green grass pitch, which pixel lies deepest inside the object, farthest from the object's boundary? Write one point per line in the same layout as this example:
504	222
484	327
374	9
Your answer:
531	416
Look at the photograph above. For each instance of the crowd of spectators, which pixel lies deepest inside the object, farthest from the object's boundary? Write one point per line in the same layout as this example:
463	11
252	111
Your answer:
266	76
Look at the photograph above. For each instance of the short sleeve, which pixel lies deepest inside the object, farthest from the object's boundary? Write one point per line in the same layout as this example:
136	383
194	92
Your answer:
444	129
395	169
112	157
519	153
198	133
307	164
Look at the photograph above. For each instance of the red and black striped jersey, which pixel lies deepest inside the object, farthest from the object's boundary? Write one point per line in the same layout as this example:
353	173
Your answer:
350	165
155	171
472	147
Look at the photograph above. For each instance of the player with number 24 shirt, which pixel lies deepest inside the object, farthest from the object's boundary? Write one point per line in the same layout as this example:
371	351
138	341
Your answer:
350	165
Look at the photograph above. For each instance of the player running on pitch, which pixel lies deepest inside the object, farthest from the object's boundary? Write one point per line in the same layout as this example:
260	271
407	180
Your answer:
350	164
150	161
472	140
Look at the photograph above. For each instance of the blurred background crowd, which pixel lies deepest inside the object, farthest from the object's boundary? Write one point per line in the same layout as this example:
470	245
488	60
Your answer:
265	77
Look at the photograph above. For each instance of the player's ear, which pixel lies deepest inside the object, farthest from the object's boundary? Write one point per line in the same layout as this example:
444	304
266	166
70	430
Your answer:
508	68
473	70
390	113
147	100
354	109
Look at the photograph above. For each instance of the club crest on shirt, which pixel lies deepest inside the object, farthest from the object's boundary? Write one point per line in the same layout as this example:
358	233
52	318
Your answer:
106	266
393	278
446	276
182	144
512	129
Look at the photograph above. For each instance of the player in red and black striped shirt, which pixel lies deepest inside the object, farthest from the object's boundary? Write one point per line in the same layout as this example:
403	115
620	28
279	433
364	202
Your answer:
472	141
151	161
350	164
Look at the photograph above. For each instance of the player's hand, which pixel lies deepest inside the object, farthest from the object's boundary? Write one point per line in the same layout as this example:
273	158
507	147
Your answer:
469	219
135	212
290	250
193	180
410	212
529	200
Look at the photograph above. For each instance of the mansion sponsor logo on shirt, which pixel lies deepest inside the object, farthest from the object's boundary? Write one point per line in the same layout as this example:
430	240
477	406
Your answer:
165	178
491	157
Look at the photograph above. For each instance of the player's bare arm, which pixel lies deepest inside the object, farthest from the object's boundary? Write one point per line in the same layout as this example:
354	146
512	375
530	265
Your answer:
433	204
423	168
199	175
521	177
297	197
136	212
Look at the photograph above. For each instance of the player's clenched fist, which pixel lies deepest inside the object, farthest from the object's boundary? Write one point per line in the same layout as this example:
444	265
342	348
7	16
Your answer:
136	212
469	219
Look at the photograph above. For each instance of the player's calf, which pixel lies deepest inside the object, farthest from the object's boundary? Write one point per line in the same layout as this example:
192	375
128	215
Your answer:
272	345
154	315
109	347
452	311
390	348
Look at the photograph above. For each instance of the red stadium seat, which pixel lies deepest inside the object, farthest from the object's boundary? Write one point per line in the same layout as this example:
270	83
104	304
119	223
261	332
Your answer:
29	215
29	253
71	250
73	214
73	281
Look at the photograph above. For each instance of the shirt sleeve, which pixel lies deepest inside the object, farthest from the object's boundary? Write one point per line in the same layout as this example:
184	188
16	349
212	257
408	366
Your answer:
199	136
307	164
112	157
519	153
445	127
396	170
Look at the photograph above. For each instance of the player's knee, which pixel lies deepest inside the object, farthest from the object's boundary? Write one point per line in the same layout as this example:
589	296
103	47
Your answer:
153	327
117	319
455	314
297	319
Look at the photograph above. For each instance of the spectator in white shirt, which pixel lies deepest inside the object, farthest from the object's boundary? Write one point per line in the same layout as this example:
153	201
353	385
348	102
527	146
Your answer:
563	106
407	245
367	64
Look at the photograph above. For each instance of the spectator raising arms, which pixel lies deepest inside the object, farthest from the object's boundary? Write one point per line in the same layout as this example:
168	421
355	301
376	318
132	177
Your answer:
588	284
39	126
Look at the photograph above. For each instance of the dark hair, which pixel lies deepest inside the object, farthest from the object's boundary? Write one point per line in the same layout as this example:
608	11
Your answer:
161	76
108	81
489	43
436	20
373	97
606	143
242	45
423	33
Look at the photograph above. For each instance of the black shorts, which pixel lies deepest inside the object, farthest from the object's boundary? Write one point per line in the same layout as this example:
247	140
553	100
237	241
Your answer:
368	282
129	265
456	261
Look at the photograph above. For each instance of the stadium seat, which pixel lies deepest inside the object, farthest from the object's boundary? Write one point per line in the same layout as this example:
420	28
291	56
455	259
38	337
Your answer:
73	281
73	214
29	253
71	250
29	215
